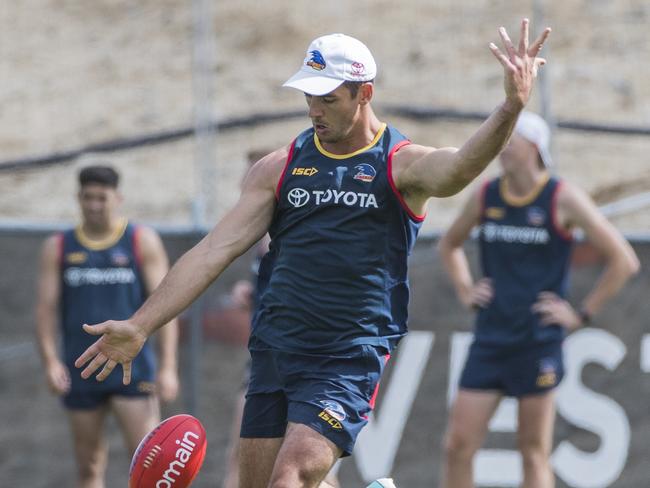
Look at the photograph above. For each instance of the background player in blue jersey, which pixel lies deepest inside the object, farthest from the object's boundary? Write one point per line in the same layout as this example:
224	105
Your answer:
342	204
103	268
527	218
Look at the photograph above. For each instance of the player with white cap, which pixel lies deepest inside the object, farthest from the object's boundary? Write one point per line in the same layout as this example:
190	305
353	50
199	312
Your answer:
332	60
526	219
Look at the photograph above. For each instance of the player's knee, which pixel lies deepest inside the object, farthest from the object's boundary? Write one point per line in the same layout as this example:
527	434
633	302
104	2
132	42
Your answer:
535	454
91	474
91	469
458	446
295	477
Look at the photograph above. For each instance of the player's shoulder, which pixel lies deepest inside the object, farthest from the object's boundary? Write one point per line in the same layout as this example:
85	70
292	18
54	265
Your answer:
146	237
53	243
268	169
568	192
52	249
572	200
410	152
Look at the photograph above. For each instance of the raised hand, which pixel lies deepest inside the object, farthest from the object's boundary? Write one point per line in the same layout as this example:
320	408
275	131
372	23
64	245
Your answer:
120	342
520	64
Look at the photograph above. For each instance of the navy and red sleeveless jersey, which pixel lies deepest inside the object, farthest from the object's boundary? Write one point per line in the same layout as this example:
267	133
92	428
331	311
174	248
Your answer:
524	251
100	281
336	273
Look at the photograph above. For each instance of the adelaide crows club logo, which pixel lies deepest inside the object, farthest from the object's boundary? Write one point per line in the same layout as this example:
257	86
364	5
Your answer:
536	216
335	409
365	172
316	60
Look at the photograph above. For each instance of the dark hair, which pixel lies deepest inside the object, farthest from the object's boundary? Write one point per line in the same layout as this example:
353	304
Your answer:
99	174
353	86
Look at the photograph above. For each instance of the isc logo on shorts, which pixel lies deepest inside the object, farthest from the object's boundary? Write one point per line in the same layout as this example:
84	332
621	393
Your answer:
547	376
546	380
335	424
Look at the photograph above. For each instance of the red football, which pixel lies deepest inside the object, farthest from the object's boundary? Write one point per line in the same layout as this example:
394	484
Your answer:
169	455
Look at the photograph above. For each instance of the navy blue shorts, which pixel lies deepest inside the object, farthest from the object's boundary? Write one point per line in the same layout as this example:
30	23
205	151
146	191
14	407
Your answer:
514	372
332	394
90	399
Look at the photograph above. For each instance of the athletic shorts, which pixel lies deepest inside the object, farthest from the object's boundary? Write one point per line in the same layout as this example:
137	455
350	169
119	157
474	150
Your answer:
518	372
332	394
90	399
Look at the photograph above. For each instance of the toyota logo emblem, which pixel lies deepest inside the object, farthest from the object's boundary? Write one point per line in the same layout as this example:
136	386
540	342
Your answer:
298	197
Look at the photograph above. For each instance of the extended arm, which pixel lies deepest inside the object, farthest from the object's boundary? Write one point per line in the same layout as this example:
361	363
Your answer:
422	172
239	229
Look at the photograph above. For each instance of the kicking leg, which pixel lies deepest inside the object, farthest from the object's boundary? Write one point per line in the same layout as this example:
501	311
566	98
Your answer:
256	460
304	459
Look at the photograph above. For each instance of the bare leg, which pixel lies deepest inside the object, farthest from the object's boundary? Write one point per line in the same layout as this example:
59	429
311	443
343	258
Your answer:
232	470
468	423
91	450
256	460
535	439
136	417
304	459
331	480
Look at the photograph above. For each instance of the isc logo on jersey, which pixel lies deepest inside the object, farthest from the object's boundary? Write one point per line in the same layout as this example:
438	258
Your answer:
299	197
304	171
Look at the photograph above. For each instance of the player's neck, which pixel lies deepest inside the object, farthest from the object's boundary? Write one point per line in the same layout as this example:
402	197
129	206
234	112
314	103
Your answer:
520	184
362	134
100	231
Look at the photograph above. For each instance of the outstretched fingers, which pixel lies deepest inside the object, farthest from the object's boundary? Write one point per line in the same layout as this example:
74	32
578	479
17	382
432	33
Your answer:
502	58
126	373
87	355
106	370
523	37
507	43
539	62
98	359
536	46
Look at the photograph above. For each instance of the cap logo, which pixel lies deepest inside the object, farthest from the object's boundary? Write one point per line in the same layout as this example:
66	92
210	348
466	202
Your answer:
358	68
316	60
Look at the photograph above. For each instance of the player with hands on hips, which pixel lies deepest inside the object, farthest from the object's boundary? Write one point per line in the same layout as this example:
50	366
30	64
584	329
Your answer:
526	218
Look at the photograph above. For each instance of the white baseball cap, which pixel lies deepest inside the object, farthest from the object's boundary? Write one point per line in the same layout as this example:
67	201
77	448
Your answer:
534	129
330	61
